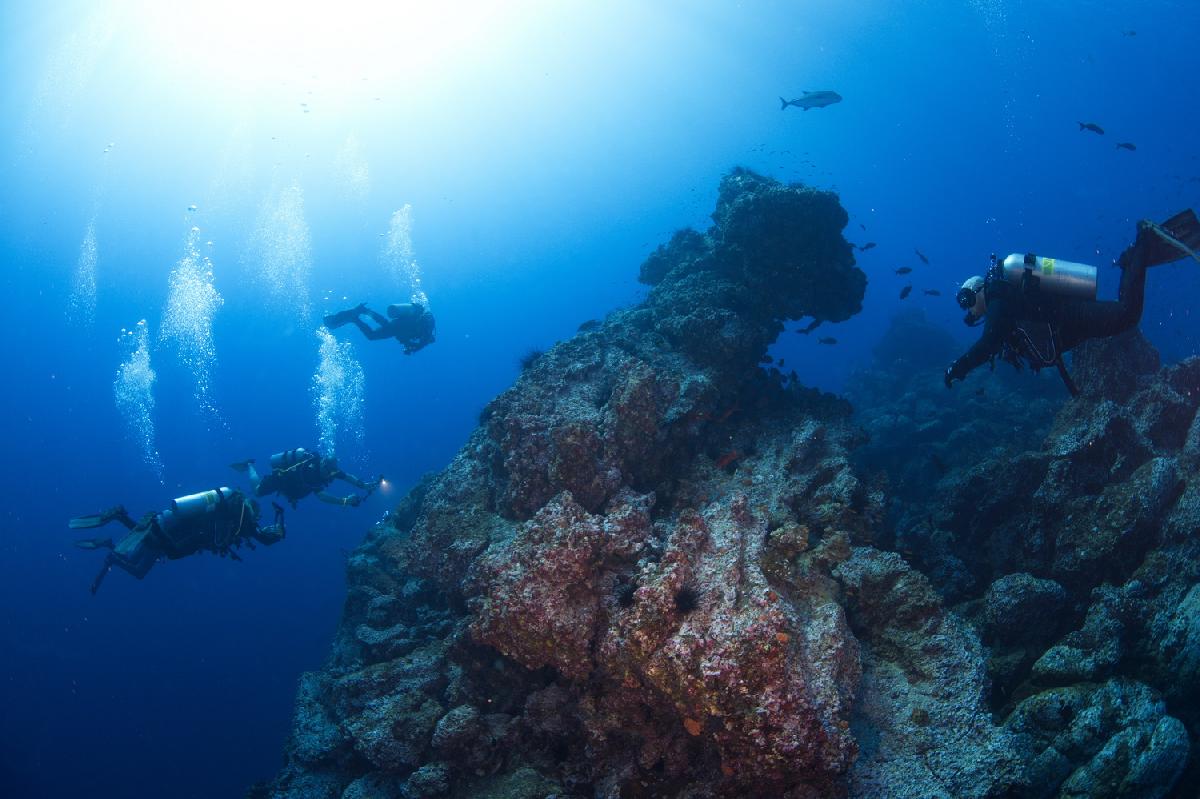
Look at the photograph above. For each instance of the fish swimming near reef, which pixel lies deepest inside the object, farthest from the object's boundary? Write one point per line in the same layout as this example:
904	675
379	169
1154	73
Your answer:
827	340
921	255
870	245
904	292
1126	145
904	270
1092	126
811	100
932	293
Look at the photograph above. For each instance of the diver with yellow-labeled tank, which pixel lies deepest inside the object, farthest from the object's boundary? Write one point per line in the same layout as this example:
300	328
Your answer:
219	521
1034	309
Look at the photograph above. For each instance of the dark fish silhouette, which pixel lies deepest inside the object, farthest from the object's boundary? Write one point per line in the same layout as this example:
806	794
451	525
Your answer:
921	255
861	225
1126	145
870	245
781	362
904	270
933	293
1129	33
1092	126
811	100
827	340
904	292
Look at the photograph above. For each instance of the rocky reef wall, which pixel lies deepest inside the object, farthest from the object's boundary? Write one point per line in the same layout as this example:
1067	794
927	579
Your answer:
657	570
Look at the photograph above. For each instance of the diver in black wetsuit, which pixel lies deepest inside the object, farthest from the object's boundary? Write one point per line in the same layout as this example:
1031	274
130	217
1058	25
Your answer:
296	473
218	521
409	323
1034	314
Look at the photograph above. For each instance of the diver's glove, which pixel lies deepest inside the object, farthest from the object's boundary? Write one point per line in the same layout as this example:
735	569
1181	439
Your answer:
951	375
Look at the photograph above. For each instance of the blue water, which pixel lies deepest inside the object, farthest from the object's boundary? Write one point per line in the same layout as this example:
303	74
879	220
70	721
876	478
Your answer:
544	152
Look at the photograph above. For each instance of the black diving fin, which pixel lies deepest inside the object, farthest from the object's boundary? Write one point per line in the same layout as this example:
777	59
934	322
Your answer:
1178	237
88	522
94	543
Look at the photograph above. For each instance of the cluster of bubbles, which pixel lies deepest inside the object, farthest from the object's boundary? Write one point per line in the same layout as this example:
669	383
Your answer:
82	305
192	302
352	167
285	251
399	257
133	390
337	390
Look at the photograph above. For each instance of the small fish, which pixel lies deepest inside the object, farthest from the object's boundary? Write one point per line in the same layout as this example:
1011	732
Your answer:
870	245
904	270
921	255
1129	33
904	292
766	359
861	225
827	340
932	293
811	100
1092	126
781	361
1126	145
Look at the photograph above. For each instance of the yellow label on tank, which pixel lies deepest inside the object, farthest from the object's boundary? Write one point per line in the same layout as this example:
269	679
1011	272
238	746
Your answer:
1047	266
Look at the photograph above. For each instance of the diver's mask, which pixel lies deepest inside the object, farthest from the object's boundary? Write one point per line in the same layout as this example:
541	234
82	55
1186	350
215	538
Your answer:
972	300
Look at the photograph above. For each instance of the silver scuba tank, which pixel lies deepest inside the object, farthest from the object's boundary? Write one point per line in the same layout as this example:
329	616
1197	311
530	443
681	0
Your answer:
1062	278
197	504
288	458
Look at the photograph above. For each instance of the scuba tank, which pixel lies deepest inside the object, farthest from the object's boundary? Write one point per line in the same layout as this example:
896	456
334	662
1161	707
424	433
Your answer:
1061	278
183	526
289	458
197	504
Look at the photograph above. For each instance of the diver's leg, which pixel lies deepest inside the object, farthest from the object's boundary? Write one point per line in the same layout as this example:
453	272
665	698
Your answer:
1083	320
373	335
379	318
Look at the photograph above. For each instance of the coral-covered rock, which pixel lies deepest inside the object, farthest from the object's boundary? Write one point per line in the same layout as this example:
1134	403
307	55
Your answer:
922	722
1108	740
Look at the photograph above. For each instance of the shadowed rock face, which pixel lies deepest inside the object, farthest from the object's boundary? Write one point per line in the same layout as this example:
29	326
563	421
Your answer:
654	570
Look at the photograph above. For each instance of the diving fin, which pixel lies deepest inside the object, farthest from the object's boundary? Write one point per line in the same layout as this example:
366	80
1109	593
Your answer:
335	320
1178	237
94	543
242	466
87	522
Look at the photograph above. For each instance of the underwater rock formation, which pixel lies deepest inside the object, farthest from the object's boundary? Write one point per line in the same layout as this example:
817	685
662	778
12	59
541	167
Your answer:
657	570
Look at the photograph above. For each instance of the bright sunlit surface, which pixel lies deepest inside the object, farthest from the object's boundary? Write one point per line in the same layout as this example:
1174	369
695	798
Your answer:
263	42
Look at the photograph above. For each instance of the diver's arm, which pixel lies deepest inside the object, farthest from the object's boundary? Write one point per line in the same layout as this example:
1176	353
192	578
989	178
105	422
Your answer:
272	533
352	500
354	481
996	329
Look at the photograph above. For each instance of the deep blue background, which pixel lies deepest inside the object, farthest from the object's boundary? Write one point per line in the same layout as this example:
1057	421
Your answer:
542	167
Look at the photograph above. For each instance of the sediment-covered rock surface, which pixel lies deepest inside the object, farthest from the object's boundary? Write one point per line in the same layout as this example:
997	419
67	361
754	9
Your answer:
657	570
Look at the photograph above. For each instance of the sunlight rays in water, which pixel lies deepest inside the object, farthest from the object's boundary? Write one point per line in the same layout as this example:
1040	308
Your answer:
192	302
337	392
133	391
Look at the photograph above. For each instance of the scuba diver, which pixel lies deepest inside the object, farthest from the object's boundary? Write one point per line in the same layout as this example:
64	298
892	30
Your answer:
296	473
219	521
1036	308
409	323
